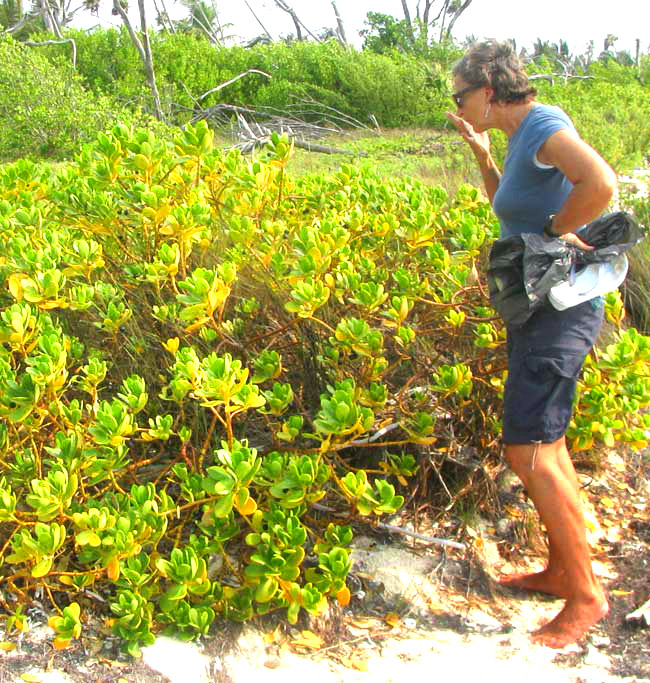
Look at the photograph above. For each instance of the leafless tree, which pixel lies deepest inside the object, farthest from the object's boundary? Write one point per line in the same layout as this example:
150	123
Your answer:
296	21
340	29
143	47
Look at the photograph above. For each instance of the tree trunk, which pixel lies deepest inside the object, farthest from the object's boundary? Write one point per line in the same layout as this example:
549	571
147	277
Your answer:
148	62
407	16
457	14
296	22
50	19
425	20
443	16
340	30
144	49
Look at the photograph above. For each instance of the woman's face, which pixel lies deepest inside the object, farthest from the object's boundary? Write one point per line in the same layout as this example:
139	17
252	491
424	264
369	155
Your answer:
470	102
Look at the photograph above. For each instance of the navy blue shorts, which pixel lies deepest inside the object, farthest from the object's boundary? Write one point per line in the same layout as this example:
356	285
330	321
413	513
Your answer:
545	358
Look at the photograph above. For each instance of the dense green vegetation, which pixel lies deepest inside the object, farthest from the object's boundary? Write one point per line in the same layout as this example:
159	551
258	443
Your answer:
197	348
45	110
400	90
610	102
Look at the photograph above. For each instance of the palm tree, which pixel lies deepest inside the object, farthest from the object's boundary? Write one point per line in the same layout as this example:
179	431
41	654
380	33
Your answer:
203	18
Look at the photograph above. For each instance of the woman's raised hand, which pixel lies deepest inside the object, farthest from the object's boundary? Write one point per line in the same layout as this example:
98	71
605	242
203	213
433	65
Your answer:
479	142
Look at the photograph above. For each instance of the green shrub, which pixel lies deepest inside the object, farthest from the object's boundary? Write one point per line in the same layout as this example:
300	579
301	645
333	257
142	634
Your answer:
44	109
399	90
198	348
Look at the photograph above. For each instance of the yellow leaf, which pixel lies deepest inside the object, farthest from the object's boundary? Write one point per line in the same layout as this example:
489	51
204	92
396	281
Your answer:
212	301
53	622
392	619
61	643
343	596
30	678
355	662
309	640
171	345
607	502
247	507
113	569
198	323
42	567
362	623
273	637
15	285
7	647
620	594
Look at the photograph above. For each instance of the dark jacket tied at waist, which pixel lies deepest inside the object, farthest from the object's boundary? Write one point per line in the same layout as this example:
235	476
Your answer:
523	268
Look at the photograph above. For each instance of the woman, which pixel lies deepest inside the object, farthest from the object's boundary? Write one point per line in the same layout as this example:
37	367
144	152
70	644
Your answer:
552	183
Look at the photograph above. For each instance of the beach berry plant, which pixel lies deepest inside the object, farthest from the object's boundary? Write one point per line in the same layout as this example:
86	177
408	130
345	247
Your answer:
202	357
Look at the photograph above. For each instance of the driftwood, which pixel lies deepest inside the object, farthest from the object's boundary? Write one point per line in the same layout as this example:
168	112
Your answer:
323	149
252	128
403	532
640	614
421	537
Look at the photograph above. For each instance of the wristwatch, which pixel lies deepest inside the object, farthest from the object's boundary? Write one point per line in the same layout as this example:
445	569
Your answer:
548	227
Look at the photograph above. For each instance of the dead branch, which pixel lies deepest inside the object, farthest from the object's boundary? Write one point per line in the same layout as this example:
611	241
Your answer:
404	532
29	43
323	149
165	17
251	128
232	80
340	30
565	77
16	27
421	537
297	23
456	14
258	21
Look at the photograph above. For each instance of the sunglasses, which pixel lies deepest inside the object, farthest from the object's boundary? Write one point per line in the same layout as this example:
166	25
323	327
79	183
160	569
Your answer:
457	97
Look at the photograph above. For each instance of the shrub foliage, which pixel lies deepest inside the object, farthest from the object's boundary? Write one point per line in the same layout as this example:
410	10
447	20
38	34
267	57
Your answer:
45	111
201	356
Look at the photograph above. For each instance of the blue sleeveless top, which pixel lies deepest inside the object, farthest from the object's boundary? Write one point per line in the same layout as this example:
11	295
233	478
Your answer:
529	192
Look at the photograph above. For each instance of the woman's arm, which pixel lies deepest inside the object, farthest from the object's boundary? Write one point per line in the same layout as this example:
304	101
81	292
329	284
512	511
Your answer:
594	182
479	144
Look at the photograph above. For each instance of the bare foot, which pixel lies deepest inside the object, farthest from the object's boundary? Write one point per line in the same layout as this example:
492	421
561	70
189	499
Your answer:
577	617
548	582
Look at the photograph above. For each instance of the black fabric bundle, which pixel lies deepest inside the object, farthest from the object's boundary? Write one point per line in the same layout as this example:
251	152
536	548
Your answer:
523	268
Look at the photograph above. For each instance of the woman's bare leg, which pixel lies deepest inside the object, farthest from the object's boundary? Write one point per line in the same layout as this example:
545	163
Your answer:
551	579
552	486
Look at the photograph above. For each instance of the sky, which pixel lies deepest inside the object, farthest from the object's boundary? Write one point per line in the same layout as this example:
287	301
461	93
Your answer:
576	21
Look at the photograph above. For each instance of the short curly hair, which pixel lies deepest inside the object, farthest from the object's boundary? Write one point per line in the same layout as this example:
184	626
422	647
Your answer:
497	66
